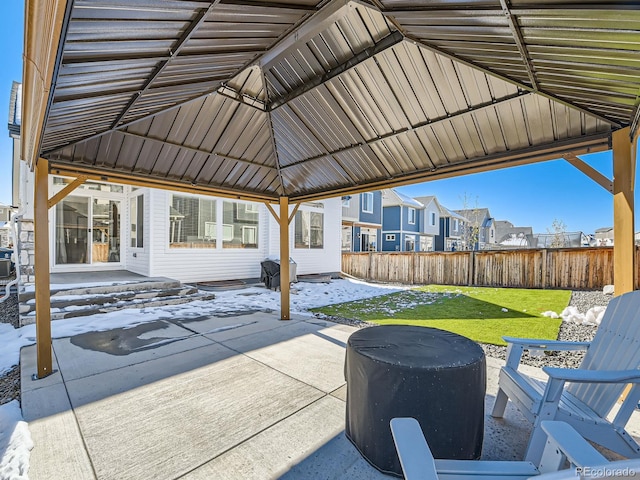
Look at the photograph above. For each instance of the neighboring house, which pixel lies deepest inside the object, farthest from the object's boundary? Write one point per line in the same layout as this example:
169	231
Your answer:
401	223
5	235
480	229
6	238
604	237
159	233
5	213
361	222
430	222
452	226
507	235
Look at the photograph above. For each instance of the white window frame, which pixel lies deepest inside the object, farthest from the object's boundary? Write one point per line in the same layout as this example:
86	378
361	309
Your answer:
134	226
455	224
367	198
210	230
411	216
390	237
433	219
409	238
245	233
227	232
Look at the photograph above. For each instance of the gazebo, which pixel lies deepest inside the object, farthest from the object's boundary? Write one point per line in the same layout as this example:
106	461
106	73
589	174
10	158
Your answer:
292	101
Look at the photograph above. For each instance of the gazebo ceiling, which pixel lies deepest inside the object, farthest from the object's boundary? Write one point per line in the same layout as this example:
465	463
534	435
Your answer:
312	100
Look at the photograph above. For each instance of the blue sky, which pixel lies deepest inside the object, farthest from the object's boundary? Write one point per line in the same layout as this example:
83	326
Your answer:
533	195
11	35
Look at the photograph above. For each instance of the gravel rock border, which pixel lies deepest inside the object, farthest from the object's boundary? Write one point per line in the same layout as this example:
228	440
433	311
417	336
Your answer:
9	309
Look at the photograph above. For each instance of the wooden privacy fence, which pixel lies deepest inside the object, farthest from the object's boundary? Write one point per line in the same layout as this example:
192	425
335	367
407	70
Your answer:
570	268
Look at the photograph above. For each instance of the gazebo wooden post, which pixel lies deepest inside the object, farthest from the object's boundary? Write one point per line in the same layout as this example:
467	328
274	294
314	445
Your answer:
43	284
283	220
624	169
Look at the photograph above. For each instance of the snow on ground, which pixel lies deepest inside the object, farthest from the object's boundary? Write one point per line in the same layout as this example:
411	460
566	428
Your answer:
303	297
15	442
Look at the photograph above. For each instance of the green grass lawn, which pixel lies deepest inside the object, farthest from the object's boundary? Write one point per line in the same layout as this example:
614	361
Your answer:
477	313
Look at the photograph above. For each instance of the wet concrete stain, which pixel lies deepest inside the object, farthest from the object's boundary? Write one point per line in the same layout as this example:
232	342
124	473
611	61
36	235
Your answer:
123	341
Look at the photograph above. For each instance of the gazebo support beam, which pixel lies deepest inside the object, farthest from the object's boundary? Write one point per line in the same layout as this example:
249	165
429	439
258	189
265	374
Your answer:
283	220
53	201
43	282
590	172
624	169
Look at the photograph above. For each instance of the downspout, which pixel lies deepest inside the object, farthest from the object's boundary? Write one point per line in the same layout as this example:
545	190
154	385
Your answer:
14	232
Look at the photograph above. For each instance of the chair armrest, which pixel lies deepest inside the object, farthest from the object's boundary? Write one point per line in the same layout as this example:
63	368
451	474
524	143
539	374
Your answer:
593	376
563	441
551	345
516	346
413	451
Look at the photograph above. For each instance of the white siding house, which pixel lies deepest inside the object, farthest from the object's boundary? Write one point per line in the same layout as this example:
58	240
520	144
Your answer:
158	233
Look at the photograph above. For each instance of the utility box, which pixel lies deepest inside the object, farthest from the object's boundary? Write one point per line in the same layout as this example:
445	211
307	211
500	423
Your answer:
5	267
5	254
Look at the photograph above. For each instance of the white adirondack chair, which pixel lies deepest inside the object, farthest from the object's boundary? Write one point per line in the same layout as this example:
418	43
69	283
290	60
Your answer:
592	390
562	444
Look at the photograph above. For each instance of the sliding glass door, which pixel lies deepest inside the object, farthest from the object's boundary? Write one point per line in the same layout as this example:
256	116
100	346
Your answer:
87	231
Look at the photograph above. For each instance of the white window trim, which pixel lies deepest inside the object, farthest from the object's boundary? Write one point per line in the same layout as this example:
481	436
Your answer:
245	231
134	198
368	195
227	232
390	237
411	215
433	219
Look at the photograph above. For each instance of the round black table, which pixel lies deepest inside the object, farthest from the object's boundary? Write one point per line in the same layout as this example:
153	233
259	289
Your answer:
437	377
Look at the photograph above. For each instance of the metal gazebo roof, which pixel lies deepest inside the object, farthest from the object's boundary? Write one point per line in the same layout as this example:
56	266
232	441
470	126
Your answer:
310	100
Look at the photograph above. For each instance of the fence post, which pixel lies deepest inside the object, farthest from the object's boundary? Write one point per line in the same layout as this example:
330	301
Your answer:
472	267
369	275
413	268
543	280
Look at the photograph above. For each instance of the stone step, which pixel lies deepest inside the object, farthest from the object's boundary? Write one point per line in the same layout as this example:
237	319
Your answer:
159	284
158	301
61	301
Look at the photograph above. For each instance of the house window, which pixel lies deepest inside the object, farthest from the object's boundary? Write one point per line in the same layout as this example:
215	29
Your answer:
390	237
409	243
309	230
367	202
455	224
426	244
433	219
192	222
239	225
136	217
347	238
412	216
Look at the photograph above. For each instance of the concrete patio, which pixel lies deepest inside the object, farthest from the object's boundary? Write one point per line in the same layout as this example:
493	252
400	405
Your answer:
224	397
